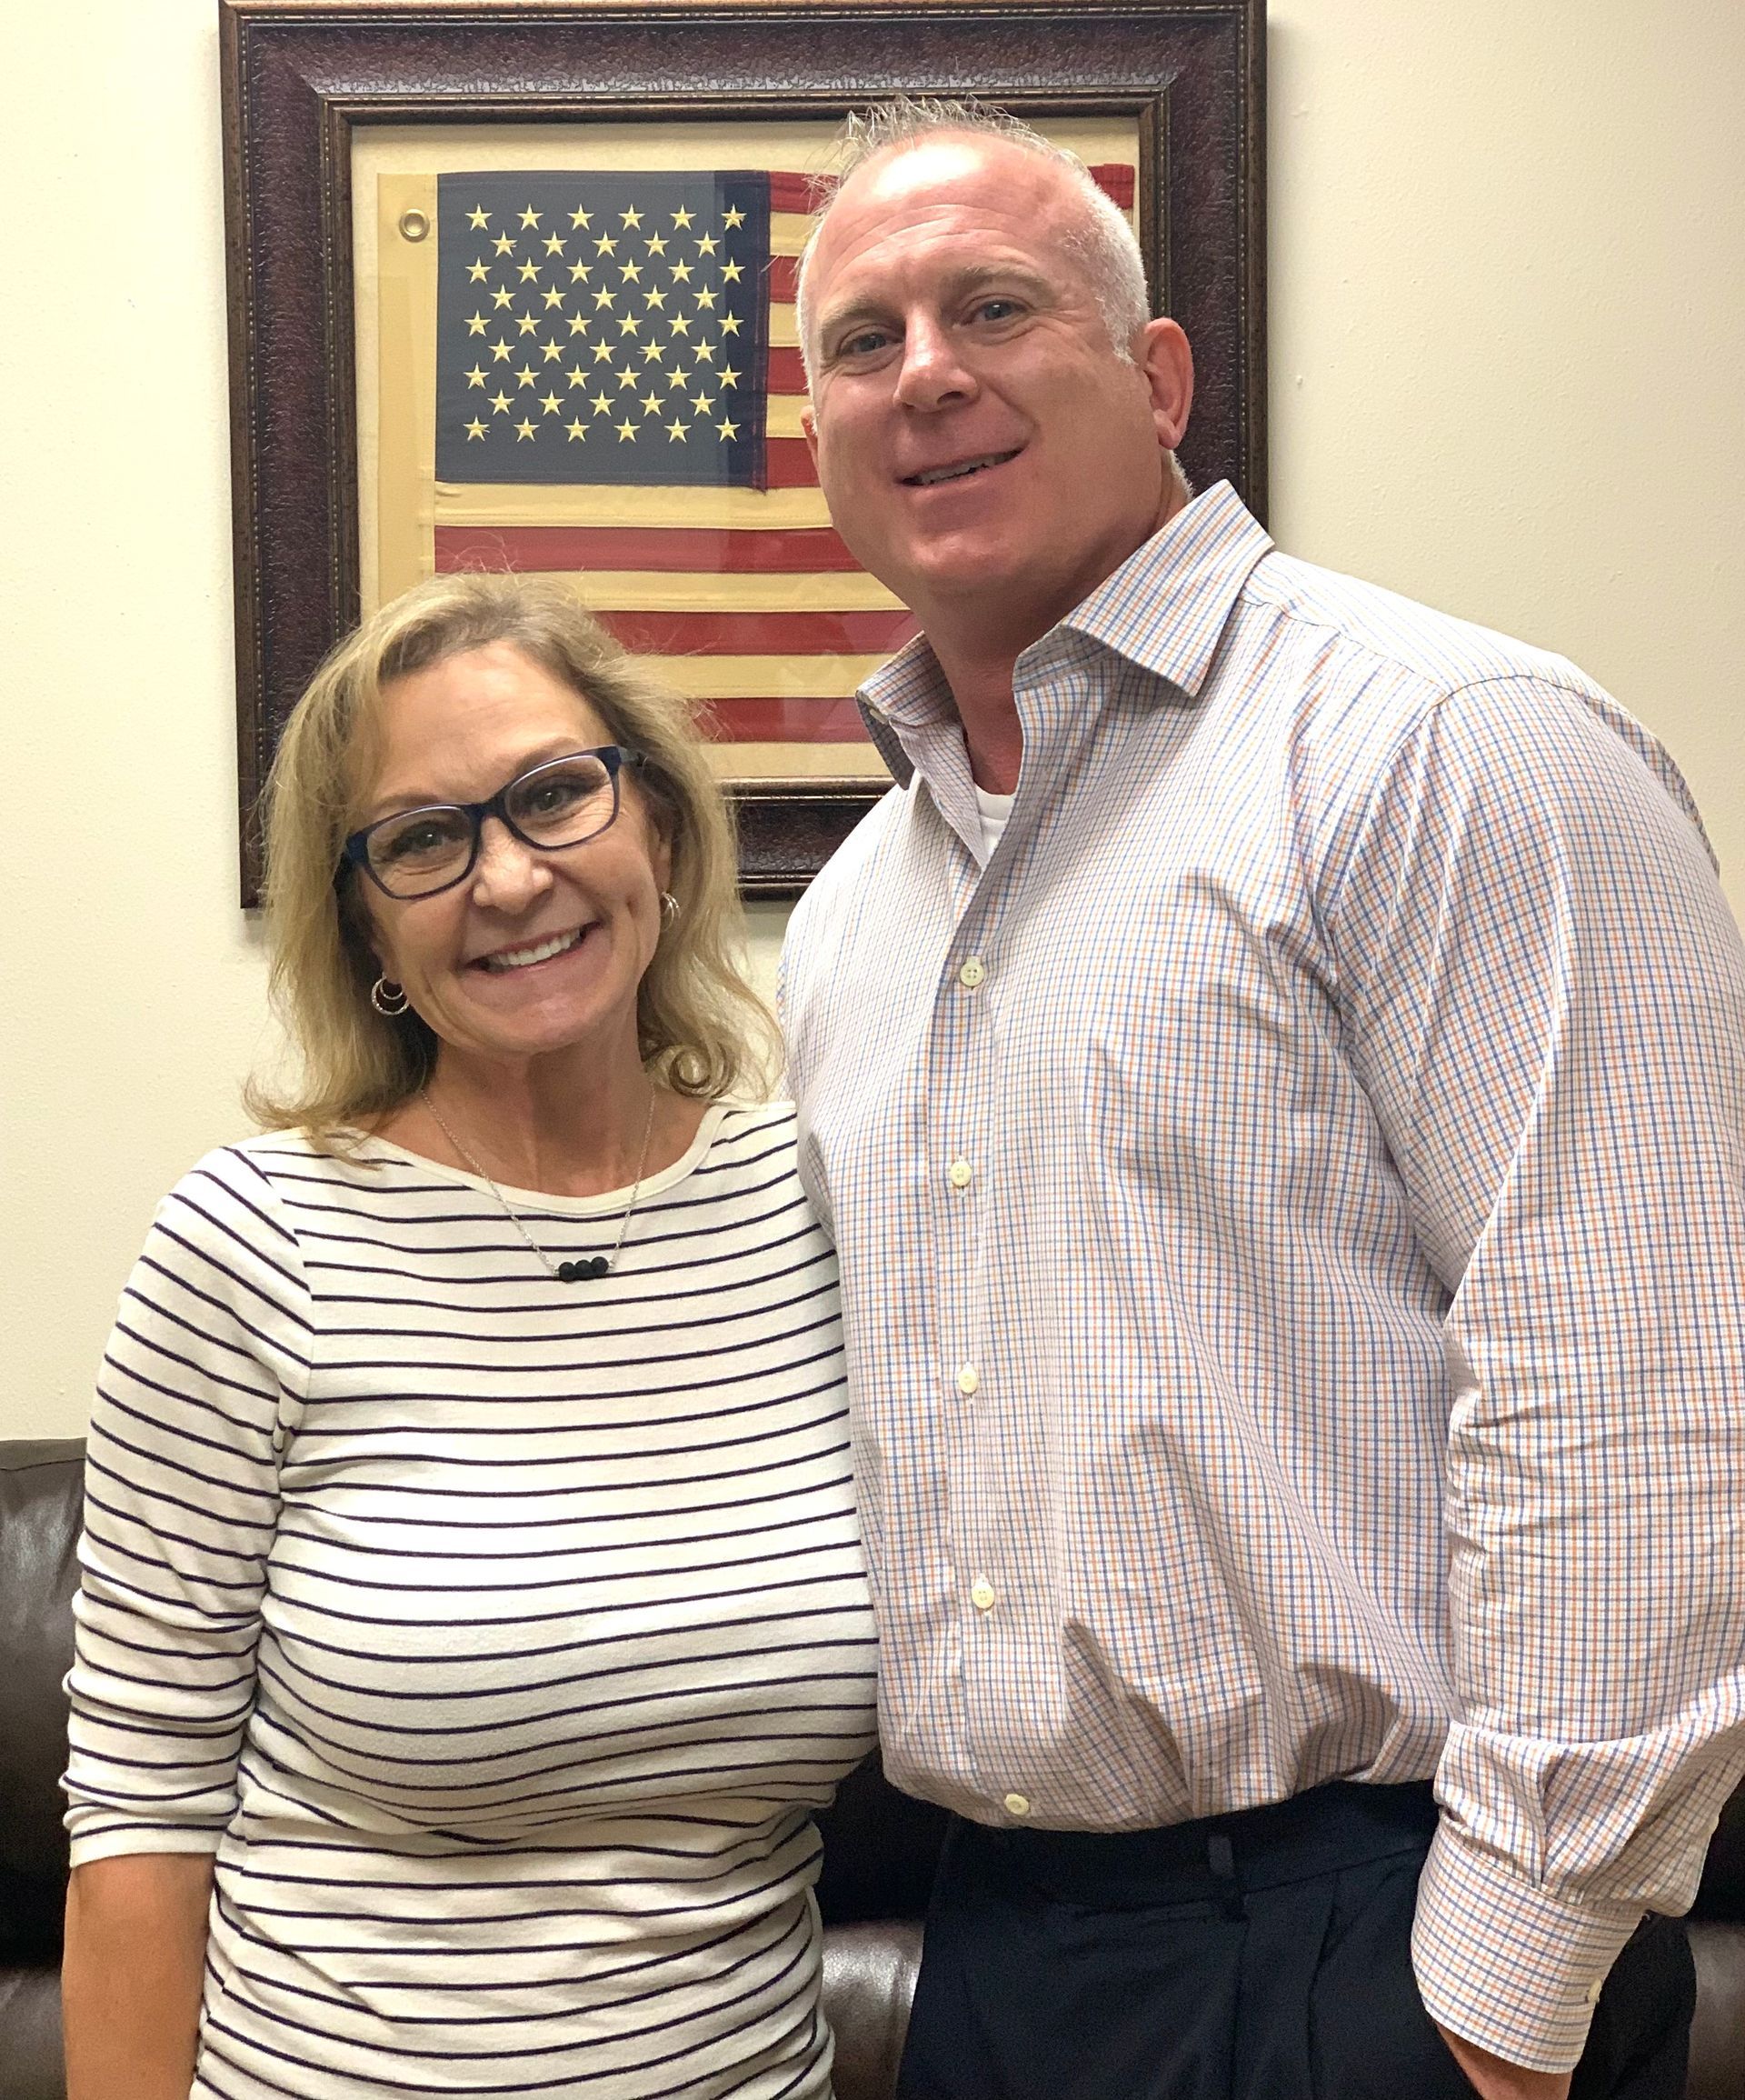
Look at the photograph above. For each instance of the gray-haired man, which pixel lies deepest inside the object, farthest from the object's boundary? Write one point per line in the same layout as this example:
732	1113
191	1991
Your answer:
1277	1077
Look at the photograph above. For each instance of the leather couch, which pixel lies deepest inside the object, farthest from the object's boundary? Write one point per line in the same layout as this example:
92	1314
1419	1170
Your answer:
879	1846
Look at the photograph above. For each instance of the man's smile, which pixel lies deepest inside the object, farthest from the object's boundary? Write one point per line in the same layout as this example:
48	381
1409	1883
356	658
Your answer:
959	470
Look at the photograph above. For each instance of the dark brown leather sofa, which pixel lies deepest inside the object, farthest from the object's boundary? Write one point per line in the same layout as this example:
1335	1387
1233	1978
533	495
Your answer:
879	1846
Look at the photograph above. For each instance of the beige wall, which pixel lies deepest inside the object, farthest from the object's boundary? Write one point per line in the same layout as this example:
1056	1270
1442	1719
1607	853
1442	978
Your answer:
1508	342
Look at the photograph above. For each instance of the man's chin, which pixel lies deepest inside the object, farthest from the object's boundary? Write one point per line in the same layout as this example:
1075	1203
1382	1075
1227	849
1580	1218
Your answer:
968	571
993	597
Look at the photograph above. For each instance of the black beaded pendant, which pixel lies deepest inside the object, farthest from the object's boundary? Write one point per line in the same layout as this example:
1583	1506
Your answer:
589	1265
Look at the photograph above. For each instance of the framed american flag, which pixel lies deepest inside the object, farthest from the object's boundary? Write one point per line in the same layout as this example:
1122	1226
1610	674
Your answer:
512	285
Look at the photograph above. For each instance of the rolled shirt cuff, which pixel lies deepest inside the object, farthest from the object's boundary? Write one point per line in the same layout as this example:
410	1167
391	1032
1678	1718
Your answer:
1504	1964
123	1840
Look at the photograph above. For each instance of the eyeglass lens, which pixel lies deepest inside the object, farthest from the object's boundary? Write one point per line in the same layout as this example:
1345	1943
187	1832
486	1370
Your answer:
557	804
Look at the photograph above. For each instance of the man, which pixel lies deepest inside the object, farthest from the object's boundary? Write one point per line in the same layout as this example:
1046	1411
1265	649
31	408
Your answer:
1277	1078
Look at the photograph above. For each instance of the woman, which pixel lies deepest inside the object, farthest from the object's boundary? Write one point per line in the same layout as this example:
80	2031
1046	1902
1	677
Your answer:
472	1608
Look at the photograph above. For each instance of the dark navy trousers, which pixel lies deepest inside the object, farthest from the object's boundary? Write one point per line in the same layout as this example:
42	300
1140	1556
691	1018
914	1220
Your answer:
1264	1955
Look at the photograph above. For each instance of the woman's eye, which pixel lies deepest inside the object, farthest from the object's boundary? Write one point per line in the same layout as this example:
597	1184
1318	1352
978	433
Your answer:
546	797
550	796
432	835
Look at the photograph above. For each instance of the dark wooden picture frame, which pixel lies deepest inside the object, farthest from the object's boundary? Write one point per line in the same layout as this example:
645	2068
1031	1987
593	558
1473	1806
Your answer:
300	76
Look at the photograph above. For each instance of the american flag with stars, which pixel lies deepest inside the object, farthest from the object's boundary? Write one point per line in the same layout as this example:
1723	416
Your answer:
607	329
618	394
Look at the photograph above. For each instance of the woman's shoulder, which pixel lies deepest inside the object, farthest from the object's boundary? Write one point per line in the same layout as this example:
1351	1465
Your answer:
746	1115
268	1172
750	1133
744	1148
227	1229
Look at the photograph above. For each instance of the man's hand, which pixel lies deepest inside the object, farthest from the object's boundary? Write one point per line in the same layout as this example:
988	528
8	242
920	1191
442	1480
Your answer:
1495	2078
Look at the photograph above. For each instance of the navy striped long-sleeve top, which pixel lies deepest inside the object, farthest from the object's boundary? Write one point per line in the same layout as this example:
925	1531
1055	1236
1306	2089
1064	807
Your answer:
498	1636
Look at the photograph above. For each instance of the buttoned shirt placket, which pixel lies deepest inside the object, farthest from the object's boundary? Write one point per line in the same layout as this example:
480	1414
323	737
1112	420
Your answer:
1275	1456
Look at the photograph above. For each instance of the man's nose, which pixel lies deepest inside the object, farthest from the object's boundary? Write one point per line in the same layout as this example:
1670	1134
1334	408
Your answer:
933	373
507	874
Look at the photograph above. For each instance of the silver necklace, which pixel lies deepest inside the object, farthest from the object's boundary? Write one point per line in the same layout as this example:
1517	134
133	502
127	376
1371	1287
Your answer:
587	1266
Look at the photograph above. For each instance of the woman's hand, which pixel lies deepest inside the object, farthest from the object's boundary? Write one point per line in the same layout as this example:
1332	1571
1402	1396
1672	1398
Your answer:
132	1973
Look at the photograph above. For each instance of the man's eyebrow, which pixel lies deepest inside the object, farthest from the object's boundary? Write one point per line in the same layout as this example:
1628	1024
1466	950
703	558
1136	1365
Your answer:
978	276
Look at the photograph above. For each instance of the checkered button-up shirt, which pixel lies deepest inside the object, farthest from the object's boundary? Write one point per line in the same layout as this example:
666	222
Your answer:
1291	1213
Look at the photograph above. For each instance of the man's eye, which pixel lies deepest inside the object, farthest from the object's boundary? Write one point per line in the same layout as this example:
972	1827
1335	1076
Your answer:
862	343
998	309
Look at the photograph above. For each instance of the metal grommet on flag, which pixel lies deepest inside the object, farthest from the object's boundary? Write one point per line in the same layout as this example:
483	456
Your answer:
414	225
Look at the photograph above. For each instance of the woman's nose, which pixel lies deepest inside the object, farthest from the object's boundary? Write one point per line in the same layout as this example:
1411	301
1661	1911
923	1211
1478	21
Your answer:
507	874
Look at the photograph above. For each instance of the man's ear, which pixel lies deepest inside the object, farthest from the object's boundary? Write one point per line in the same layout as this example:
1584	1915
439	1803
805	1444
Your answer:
1167	363
809	431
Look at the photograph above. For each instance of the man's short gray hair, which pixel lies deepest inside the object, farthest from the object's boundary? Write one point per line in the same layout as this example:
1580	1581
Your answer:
1104	242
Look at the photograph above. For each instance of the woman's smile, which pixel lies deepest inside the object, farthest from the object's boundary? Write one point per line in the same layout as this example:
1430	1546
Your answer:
529	955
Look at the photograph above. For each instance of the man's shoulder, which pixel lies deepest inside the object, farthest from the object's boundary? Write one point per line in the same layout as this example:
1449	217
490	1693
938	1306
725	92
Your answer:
1384	673
1367	628
1376	670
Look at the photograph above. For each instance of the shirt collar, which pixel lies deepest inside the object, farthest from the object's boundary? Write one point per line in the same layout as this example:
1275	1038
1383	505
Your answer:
910	689
1166	606
1163	609
905	704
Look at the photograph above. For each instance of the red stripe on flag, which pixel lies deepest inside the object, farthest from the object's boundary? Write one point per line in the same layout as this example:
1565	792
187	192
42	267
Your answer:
787	374
873	634
787	464
782	721
784	279
560	549
790	193
1116	180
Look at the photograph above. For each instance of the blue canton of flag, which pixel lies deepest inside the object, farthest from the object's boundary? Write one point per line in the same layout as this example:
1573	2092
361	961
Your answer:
603	329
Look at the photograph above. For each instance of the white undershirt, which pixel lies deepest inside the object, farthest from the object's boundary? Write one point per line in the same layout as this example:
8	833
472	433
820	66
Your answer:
994	810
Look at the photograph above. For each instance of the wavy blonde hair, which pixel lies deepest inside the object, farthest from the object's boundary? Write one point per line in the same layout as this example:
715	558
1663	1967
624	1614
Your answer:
703	1032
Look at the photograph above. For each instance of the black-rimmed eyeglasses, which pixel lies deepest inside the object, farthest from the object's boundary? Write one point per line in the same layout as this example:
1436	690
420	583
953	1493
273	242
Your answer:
562	803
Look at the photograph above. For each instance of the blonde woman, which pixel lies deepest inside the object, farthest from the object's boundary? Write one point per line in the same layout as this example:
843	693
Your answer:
473	1609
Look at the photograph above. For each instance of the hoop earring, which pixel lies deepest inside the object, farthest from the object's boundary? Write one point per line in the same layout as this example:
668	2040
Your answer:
388	998
669	906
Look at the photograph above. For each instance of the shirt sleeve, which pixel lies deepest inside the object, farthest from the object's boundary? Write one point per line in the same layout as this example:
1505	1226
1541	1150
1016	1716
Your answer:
198	1391
1545	995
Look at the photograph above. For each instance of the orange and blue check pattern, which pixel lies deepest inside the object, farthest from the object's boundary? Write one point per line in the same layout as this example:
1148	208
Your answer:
1291	1213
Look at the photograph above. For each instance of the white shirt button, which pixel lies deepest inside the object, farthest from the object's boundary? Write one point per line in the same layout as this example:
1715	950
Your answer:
982	1594
972	974
960	1174
1017	1804
969	1381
